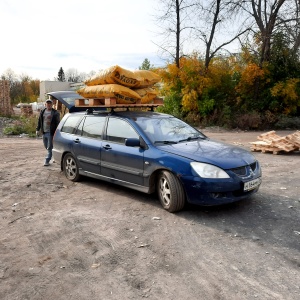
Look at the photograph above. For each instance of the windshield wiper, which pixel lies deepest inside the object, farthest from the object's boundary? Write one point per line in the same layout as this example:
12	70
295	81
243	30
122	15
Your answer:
190	138
165	142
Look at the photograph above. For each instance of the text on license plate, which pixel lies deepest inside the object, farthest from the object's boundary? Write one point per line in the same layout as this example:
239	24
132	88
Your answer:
250	185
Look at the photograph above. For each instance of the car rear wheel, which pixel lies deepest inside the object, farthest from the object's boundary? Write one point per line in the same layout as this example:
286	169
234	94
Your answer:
70	168
170	192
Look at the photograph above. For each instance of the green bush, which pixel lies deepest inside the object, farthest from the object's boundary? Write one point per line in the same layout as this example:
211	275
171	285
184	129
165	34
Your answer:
22	125
285	122
172	105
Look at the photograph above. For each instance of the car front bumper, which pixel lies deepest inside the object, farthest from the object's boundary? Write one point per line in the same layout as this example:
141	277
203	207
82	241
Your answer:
210	192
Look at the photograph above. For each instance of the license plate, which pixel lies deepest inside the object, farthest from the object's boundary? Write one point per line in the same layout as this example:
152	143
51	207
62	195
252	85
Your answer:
253	184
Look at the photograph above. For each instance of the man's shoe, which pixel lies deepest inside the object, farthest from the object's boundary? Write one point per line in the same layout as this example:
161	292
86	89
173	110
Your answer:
46	164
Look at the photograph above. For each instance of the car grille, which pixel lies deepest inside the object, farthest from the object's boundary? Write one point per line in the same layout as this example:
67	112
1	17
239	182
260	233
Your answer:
242	171
239	171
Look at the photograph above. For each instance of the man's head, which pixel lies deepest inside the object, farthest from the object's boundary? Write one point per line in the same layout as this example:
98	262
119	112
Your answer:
49	103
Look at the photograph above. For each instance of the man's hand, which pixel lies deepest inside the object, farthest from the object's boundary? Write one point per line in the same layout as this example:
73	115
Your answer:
37	133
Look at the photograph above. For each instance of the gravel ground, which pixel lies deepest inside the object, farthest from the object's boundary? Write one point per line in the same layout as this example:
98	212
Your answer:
94	240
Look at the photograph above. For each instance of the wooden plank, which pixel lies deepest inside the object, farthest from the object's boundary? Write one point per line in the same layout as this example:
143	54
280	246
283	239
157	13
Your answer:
96	102
110	101
80	102
158	101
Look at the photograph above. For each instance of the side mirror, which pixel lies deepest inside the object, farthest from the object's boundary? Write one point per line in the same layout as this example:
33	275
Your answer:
132	142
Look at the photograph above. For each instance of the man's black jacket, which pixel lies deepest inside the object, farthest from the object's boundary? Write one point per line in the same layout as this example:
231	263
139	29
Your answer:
55	119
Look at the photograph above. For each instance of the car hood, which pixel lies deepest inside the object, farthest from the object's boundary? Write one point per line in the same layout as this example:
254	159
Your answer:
213	152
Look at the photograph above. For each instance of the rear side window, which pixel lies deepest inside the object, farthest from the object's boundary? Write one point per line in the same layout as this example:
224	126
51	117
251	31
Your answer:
93	126
71	124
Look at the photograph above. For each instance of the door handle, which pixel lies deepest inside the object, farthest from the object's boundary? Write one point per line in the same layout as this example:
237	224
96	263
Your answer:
107	147
77	141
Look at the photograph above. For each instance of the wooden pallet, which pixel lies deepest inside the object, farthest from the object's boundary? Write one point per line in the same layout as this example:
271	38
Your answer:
264	147
294	138
271	142
269	136
112	103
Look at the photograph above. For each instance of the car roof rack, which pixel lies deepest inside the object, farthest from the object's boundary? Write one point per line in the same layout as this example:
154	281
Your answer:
112	104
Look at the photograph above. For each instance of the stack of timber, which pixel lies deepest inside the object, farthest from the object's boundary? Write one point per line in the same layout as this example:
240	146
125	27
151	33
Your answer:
271	142
5	101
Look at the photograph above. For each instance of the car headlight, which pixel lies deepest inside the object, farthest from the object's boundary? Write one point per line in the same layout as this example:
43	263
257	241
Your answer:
208	171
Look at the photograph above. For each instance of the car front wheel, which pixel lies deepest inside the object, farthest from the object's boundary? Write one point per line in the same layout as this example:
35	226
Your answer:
70	168
170	192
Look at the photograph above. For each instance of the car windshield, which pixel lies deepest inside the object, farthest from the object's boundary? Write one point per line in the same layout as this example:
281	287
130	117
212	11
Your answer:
168	130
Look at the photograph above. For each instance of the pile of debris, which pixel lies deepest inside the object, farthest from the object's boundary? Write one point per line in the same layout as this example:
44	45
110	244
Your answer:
271	142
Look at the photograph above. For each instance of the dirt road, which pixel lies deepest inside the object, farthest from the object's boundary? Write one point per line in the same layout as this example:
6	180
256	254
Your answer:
93	240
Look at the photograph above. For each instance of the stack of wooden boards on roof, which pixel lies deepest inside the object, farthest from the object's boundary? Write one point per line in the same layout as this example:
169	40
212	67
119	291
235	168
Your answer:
271	142
125	86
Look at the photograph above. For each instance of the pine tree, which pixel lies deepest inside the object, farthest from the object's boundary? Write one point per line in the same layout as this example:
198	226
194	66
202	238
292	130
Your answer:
61	75
145	65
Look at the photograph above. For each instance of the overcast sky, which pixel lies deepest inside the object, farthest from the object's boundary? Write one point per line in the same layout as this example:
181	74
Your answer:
40	36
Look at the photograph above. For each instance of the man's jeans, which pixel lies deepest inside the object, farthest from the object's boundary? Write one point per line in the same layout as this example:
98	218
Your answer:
48	143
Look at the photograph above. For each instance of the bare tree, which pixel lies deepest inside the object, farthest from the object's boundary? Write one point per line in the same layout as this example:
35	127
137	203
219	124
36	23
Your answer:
218	23
268	17
73	75
292	28
216	26
175	19
202	22
9	75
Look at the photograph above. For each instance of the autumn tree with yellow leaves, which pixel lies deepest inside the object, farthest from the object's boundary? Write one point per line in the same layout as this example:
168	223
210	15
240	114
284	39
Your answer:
234	90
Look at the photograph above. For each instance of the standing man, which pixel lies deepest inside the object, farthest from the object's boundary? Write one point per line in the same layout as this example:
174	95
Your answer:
48	121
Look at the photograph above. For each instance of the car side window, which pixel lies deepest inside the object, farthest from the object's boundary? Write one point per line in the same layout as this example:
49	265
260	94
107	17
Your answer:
71	124
118	130
93	126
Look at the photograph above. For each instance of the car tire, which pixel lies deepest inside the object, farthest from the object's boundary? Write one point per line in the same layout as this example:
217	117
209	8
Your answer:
170	192
70	168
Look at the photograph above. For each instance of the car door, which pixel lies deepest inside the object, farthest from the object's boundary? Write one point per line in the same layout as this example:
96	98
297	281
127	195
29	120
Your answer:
120	162
87	143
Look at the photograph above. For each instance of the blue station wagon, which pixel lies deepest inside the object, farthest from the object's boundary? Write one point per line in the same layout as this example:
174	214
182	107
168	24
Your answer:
154	153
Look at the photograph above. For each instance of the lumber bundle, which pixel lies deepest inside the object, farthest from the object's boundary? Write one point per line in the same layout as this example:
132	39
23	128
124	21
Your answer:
271	142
